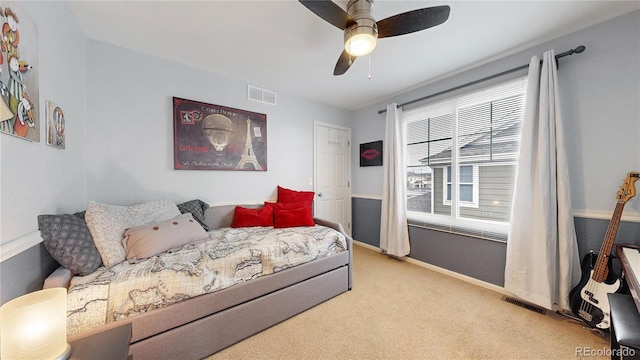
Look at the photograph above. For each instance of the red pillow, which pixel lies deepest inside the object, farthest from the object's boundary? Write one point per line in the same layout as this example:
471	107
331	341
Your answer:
293	217
287	206
292	196
244	217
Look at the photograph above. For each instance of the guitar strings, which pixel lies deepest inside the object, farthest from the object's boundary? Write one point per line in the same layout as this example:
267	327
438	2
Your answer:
587	306
602	261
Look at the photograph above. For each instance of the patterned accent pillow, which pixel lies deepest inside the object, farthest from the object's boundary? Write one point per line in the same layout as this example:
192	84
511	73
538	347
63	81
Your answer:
107	224
197	208
69	242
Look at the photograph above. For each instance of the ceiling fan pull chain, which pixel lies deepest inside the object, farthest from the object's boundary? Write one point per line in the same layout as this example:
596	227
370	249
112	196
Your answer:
369	66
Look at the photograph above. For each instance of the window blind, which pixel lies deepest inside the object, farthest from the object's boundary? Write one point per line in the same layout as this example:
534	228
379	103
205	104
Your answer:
461	158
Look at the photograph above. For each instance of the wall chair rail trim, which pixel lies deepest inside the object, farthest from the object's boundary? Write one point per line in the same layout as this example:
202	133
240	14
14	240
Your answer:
15	247
628	216
365	196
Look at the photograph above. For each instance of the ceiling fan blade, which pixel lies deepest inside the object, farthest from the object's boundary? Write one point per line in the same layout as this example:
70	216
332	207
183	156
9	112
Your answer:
412	21
330	12
344	63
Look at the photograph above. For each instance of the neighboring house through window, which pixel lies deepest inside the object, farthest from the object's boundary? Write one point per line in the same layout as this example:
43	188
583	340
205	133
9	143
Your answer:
467	185
461	158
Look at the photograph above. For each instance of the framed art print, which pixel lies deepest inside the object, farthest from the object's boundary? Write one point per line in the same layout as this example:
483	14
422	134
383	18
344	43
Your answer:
371	153
19	104
214	137
55	125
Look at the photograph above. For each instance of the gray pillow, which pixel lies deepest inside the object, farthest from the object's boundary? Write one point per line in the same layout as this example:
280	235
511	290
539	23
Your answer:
69	242
197	208
221	216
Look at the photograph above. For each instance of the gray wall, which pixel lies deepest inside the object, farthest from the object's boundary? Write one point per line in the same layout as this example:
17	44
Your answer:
478	258
600	91
25	272
36	178
119	150
366	220
591	233
117	107
130	132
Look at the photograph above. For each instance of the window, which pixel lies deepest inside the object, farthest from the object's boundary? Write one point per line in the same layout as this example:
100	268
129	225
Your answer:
461	158
467	185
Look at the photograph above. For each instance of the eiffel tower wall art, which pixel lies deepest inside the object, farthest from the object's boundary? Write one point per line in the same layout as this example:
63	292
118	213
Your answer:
214	137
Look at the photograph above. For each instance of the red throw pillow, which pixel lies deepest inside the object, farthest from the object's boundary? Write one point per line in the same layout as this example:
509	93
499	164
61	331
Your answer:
293	217
287	206
244	217
292	196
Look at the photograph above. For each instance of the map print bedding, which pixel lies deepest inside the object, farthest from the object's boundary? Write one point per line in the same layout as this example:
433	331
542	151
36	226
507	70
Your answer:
229	256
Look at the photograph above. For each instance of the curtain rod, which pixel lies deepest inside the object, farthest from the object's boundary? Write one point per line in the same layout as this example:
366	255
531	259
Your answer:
577	50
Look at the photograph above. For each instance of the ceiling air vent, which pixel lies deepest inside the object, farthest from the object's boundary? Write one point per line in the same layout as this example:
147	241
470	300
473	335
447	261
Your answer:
261	95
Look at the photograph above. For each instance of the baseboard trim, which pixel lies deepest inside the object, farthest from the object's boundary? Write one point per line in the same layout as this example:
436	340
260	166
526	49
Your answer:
366	246
19	245
453	274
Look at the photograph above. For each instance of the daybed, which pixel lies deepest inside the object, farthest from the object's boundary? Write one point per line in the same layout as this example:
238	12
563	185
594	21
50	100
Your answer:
202	325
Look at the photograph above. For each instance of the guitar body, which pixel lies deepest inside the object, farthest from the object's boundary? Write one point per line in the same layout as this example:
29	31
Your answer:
589	299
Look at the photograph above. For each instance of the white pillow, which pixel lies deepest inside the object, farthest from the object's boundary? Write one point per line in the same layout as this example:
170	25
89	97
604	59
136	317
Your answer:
107	224
145	241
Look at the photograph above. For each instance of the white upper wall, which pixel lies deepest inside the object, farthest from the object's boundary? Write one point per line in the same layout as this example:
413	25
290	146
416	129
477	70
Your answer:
117	106
130	132
36	178
119	137
600	92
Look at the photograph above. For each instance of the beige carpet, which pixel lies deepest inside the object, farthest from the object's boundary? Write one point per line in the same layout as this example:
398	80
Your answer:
399	310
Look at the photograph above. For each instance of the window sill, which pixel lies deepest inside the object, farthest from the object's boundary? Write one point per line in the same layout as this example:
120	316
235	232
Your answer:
487	230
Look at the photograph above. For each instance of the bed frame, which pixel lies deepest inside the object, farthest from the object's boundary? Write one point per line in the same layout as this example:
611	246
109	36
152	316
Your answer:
203	325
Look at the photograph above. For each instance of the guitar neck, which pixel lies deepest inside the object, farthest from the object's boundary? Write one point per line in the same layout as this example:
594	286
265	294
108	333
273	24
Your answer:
600	270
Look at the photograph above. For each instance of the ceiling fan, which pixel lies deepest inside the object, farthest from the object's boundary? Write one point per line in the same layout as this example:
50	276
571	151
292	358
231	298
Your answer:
361	31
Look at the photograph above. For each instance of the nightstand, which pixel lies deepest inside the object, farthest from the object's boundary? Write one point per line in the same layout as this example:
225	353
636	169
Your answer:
110	344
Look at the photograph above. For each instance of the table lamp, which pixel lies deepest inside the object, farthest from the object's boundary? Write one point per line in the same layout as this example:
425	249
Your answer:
34	326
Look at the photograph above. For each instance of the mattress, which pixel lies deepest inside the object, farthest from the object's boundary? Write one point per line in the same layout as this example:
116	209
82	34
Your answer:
229	256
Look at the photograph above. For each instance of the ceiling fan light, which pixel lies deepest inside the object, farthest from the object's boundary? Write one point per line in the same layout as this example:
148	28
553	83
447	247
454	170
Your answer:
360	40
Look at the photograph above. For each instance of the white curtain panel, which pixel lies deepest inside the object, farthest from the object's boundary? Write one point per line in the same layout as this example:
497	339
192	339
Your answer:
542	262
394	235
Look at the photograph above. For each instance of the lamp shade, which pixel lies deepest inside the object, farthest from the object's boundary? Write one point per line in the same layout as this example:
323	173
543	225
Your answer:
34	326
360	40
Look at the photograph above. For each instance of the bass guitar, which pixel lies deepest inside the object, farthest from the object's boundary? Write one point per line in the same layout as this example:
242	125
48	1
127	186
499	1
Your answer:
588	299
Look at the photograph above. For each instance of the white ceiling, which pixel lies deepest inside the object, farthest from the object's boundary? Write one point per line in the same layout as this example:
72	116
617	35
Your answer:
284	47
